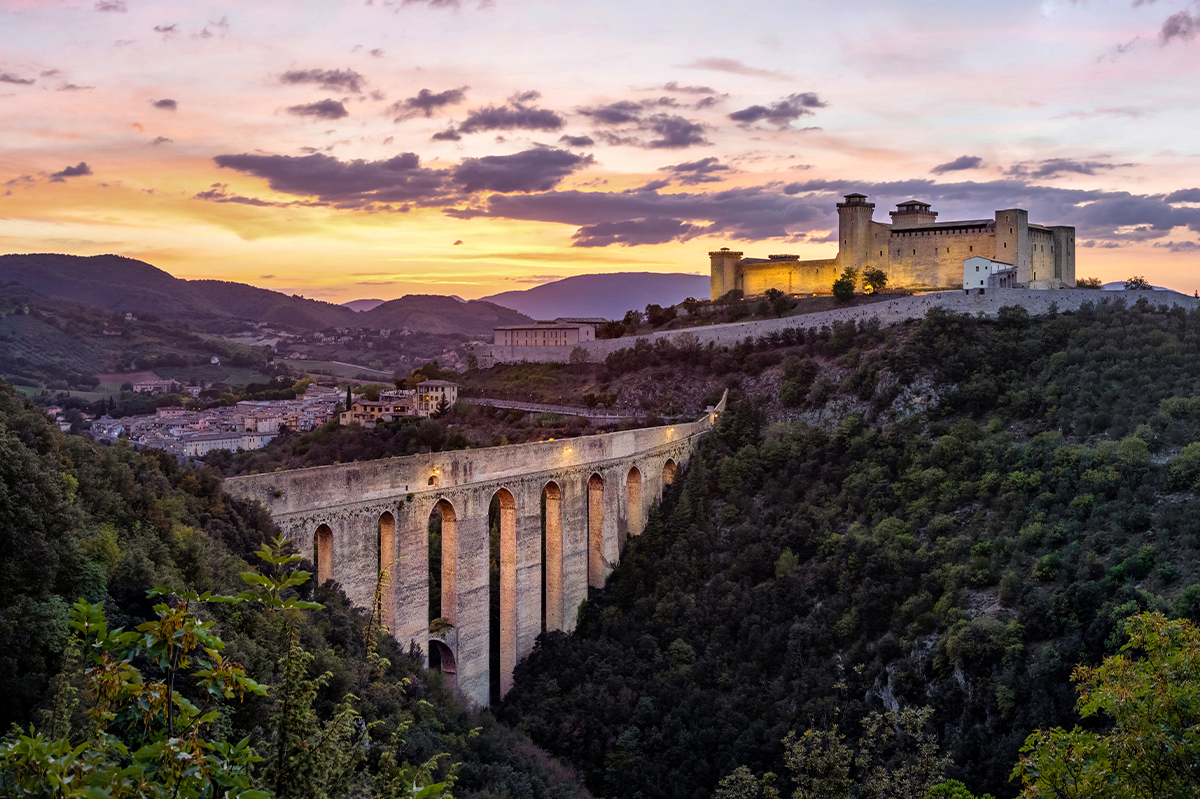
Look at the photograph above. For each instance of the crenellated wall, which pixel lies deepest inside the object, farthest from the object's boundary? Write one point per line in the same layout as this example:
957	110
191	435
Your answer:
601	488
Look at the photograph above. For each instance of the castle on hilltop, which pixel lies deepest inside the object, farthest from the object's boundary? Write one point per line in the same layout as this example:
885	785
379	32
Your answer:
915	251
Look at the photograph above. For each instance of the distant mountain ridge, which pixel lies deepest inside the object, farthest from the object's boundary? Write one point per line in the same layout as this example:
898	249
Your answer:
362	305
607	295
121	284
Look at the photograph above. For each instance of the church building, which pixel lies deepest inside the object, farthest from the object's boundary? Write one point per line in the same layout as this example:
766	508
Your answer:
915	251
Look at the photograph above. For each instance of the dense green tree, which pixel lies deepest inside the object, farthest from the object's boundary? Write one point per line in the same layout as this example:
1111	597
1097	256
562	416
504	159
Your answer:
1151	693
844	285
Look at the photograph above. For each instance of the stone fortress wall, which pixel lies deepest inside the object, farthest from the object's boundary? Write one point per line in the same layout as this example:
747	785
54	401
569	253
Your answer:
889	312
351	519
914	250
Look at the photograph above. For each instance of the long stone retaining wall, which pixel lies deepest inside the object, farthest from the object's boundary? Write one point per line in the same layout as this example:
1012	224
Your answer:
889	312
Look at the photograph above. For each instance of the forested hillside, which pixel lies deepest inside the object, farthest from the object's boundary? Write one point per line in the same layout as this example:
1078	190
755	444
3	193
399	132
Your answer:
107	524
964	558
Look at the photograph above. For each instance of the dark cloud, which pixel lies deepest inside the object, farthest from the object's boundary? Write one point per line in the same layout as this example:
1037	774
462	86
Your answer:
532	170
707	102
51	73
693	172
218	194
377	53
449	134
1179	26
167	30
653	185
331	80
323	109
266	277
161	140
426	102
8	77
1054	167
1179	246
457	243
117	6
781	113
619	113
672	86
165	104
735	67
674	132
514	117
960	163
753	213
526	97
798	210
1096	214
655	230
1101	245
1184	196
661	102
78	170
577	141
346	184
71	87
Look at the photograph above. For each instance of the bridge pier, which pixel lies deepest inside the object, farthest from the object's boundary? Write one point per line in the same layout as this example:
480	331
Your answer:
352	520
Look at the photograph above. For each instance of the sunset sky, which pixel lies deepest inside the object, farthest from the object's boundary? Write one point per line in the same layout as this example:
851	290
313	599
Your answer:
373	149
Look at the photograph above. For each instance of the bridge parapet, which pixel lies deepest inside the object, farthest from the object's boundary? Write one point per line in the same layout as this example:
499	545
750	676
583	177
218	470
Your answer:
576	499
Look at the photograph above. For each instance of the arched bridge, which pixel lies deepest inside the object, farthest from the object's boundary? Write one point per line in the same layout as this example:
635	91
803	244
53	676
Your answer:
565	509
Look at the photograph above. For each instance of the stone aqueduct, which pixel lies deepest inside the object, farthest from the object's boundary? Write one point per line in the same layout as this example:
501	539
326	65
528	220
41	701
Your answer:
588	494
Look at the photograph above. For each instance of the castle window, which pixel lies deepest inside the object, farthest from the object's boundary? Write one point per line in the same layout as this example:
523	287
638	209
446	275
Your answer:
971	247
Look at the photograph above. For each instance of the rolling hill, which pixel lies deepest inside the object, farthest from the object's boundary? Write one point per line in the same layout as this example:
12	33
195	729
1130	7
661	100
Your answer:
607	295
440	315
118	284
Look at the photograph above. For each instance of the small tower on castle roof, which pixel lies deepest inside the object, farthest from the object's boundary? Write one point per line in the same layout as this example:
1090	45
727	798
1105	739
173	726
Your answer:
913	213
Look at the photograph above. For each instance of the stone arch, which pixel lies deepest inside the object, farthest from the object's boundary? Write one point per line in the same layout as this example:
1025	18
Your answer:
387	570
441	657
507	523
447	571
670	472
323	553
595	516
552	558
633	502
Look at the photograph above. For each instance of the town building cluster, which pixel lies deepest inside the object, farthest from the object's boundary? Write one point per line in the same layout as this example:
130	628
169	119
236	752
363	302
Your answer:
425	400
247	425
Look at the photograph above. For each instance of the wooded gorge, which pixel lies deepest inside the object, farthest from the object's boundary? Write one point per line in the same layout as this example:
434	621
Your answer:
798	576
967	561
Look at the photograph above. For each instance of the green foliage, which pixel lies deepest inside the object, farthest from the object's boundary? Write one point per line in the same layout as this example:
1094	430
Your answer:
958	563
1137	283
953	789
874	280
108	523
1151	692
1093	283
896	758
843	287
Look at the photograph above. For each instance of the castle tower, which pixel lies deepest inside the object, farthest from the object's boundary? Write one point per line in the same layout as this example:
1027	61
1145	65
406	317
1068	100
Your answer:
913	213
1012	243
854	231
724	265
